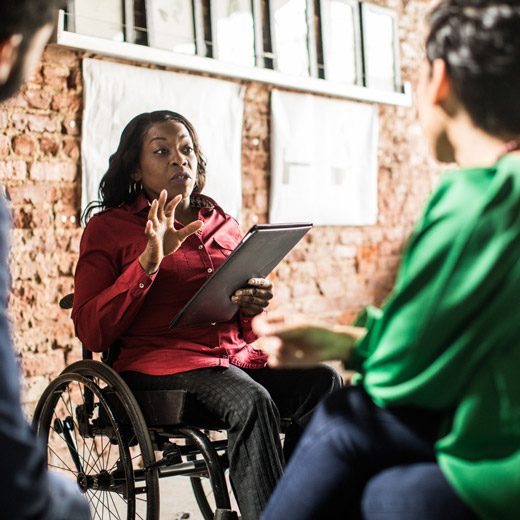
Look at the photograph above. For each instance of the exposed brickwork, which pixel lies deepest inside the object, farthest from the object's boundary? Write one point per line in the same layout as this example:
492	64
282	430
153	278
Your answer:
331	275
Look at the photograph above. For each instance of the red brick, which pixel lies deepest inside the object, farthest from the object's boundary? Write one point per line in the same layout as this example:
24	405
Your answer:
13	170
23	145
37	194
35	122
4	144
55	54
31	218
4	119
67	100
48	363
38	98
53	171
49	146
71	148
55	76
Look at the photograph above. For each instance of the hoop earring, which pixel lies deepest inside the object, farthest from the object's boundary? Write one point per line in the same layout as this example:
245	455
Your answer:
135	188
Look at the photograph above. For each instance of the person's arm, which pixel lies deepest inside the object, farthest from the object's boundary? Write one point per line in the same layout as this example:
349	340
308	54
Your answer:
23	479
106	299
297	343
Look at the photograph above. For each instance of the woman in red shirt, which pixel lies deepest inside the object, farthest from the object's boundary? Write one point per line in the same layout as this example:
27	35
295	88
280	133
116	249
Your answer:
156	240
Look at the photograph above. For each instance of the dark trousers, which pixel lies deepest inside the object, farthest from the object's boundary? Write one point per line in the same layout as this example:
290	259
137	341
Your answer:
250	403
358	460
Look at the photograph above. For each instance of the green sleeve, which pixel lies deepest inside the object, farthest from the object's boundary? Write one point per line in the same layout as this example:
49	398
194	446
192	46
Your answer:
436	326
367	319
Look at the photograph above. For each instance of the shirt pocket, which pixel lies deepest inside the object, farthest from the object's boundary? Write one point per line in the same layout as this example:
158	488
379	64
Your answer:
224	244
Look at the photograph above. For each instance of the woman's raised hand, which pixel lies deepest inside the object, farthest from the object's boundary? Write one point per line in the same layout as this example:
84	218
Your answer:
163	238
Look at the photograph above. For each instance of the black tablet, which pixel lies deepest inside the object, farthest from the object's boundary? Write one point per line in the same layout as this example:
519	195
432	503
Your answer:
260	251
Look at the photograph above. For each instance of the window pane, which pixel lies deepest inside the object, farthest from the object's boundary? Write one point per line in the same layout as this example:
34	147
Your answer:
289	19
340	41
170	25
378	41
102	18
234	29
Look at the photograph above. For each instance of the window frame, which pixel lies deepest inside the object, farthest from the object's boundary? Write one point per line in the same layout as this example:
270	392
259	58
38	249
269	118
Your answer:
258	39
310	43
365	9
327	44
200	63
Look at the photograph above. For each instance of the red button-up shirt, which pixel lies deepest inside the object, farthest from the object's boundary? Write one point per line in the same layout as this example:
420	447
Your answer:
114	299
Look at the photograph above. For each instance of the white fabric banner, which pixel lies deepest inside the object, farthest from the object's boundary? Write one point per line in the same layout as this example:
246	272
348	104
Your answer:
115	93
324	160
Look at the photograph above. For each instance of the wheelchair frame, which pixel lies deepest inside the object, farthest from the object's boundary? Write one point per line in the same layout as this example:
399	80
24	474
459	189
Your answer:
88	412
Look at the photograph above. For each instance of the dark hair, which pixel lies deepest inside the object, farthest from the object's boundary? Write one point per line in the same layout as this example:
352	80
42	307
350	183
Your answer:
26	16
117	186
479	40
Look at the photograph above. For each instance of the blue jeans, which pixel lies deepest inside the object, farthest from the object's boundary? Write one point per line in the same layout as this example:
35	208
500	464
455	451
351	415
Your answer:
358	460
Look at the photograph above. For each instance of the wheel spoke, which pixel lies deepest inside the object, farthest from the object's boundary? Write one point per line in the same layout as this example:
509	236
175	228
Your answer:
85	440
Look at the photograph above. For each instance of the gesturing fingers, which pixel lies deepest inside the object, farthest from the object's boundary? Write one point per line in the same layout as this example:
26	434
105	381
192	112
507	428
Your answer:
161	203
189	229
169	210
152	214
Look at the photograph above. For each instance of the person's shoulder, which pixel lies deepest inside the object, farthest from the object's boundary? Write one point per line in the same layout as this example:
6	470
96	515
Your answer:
458	193
102	222
509	166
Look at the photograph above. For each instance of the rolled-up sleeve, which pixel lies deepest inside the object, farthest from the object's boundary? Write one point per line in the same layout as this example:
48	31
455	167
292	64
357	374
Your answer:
106	297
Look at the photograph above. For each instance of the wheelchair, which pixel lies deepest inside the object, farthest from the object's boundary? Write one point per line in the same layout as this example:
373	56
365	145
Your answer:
106	437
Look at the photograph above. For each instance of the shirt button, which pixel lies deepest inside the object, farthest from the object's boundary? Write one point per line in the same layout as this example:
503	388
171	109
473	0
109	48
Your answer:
210	270
141	285
201	247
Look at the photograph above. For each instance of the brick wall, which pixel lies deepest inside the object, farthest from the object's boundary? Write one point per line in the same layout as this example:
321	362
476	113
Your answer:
331	275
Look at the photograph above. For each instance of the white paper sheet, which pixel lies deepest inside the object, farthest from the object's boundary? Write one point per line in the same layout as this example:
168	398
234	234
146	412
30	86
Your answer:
115	93
324	160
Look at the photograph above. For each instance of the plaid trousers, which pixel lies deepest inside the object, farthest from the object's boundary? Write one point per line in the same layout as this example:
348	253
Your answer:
250	402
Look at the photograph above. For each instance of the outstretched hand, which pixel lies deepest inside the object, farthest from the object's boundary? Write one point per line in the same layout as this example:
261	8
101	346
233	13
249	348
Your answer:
295	343
163	238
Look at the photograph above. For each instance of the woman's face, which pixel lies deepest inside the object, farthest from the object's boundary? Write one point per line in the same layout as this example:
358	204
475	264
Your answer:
167	161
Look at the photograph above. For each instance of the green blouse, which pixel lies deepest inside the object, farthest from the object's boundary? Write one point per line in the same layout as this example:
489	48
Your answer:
449	335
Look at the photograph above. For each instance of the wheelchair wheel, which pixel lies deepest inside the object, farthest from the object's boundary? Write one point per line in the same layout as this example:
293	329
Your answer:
95	434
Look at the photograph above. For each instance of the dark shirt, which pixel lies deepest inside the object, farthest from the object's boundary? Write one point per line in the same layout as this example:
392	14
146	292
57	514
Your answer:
115	299
23	482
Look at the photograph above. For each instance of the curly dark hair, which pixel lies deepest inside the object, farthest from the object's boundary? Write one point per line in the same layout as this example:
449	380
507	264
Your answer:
117	185
479	40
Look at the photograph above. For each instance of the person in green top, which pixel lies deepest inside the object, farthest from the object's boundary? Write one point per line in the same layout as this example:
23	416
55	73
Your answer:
432	428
